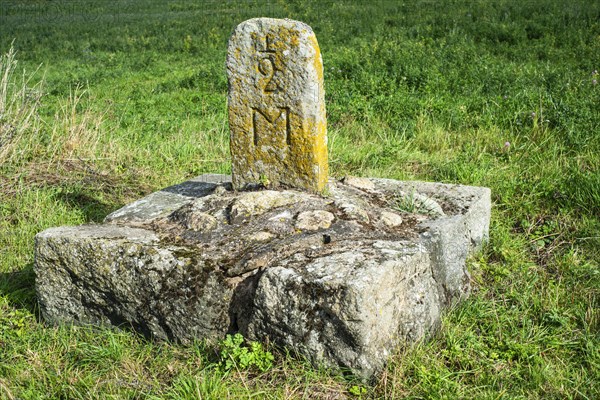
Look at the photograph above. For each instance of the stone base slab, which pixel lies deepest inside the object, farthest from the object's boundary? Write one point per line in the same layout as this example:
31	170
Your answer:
341	279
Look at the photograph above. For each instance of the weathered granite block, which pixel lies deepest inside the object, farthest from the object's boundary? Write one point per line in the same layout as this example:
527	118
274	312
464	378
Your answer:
350	308
121	276
341	279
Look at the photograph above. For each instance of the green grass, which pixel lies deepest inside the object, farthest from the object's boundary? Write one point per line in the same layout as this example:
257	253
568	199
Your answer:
131	96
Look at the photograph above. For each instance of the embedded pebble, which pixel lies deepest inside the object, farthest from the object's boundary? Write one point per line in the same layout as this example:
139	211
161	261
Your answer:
200	222
314	220
391	219
352	211
359	183
261	236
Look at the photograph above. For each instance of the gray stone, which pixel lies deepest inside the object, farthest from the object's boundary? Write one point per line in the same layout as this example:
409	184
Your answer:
252	204
344	295
195	219
353	211
314	220
359	183
276	106
451	238
114	275
349	308
261	236
160	204
391	219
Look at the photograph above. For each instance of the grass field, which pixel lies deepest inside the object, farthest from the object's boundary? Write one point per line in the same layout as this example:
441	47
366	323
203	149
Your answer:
110	100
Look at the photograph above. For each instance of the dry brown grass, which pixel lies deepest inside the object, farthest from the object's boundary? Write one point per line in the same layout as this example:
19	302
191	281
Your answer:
66	150
73	133
19	101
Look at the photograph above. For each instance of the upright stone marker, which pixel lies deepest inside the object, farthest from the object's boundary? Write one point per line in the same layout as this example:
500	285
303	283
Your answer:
276	105
199	260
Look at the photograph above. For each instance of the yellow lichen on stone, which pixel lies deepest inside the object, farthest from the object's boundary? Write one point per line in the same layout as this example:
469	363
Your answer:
318	61
276	106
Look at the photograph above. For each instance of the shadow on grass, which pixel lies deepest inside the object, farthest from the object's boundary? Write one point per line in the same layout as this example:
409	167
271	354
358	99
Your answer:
92	208
19	288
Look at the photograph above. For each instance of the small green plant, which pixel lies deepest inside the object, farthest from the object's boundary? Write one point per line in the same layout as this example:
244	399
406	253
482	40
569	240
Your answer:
406	203
235	354
416	203
358	391
13	323
187	43
265	181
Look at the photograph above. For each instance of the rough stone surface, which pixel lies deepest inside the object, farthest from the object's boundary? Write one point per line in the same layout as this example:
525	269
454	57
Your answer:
252	204
340	290
359	183
314	220
162	203
276	106
118	275
391	219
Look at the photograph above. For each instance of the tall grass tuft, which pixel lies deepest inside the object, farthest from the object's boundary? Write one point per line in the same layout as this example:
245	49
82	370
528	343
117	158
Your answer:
76	130
38	150
27	141
19	103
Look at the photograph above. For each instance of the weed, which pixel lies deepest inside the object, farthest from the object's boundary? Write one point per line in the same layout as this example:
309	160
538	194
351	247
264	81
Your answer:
358	391
264	181
235	355
416	203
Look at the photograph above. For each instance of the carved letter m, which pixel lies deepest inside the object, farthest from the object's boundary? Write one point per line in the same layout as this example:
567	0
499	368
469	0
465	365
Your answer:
277	121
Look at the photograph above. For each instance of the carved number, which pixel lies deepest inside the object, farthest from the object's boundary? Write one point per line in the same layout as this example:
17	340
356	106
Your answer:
267	68
266	65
